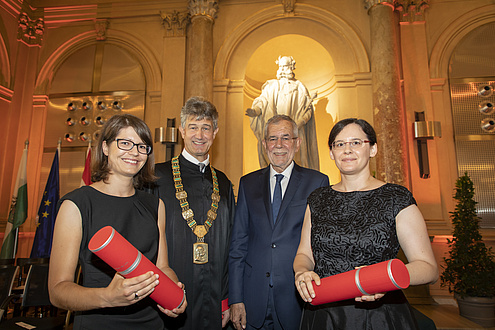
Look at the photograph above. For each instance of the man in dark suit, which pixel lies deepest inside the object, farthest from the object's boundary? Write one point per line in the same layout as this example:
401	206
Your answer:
267	227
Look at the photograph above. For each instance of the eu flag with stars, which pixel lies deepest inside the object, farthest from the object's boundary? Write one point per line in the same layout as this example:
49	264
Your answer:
47	212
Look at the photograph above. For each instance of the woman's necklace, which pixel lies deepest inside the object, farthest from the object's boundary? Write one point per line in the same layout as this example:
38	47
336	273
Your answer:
200	248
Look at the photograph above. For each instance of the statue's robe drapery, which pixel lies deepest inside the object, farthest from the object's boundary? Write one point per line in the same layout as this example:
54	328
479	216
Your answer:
287	97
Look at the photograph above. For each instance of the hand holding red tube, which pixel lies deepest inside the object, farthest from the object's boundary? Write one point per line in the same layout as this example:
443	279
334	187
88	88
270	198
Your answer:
122	256
381	277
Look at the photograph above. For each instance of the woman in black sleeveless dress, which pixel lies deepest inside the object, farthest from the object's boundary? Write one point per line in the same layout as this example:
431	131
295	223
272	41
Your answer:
357	222
123	163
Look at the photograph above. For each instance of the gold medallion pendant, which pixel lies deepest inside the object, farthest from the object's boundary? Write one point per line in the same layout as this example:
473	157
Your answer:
200	248
200	231
200	253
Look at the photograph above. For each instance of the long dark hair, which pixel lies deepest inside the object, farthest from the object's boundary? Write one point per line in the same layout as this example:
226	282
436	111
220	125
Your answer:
339	126
99	161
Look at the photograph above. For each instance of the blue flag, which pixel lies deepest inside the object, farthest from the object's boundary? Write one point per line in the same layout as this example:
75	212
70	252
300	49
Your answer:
47	213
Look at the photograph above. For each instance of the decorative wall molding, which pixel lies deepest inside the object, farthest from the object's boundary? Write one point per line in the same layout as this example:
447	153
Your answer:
343	43
444	46
175	23
30	31
101	26
129	43
206	8
6	94
412	11
40	101
368	4
288	6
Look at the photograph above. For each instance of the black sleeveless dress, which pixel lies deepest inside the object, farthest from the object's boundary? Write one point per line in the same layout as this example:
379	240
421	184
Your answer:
135	218
352	229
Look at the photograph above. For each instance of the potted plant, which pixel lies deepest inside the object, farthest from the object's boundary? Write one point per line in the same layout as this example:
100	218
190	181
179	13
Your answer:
469	270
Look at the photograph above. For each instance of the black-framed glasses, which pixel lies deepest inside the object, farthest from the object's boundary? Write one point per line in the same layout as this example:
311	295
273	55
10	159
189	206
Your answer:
285	139
354	144
127	145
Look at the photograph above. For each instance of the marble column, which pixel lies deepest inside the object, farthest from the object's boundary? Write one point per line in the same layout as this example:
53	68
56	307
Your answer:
174	73
389	118
199	67
417	97
24	119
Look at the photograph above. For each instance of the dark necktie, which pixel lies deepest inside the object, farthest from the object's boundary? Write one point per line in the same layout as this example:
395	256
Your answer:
277	196
201	167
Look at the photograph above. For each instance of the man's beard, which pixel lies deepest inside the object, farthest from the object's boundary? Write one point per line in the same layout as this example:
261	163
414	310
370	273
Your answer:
281	75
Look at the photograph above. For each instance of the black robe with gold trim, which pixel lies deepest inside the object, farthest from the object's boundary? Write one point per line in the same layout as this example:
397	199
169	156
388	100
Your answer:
206	285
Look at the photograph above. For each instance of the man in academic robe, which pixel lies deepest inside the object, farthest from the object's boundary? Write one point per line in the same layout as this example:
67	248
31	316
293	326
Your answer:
199	203
267	228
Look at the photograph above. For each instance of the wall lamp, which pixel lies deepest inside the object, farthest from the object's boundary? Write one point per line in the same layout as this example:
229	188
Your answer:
485	90
424	131
117	105
169	136
488	125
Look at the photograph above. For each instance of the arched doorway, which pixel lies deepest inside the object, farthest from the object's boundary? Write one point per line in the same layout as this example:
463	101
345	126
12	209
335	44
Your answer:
314	68
237	68
83	70
472	84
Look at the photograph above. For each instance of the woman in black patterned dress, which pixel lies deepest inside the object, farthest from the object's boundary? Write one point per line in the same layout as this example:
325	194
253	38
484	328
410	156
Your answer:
357	222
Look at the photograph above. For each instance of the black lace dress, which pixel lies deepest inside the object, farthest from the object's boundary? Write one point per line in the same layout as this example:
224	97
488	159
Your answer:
351	229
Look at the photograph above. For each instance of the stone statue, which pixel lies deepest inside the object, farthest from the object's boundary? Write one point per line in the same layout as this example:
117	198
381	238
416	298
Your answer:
286	96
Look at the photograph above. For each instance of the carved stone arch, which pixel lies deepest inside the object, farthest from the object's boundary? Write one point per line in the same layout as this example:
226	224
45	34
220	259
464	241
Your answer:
128	42
4	64
444	104
338	38
453	34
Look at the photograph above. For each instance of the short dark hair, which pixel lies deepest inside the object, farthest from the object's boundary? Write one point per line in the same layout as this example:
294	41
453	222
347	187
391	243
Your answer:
99	161
339	126
200	108
278	118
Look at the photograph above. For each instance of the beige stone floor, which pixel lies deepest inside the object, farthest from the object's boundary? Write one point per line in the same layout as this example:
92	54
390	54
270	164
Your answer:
446	317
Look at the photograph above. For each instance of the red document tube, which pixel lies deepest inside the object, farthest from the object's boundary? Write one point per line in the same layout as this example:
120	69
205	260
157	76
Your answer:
122	256
381	277
225	304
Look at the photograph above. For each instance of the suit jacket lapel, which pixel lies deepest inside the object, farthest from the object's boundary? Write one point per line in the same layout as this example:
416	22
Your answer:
295	179
265	183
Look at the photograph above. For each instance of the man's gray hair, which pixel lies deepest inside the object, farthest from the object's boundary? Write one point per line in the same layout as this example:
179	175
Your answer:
278	118
200	108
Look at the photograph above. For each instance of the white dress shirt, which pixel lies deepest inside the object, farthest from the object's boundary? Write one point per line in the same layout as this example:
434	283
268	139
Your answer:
193	159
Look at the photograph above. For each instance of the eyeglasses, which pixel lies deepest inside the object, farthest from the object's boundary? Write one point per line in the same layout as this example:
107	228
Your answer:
127	145
354	144
285	140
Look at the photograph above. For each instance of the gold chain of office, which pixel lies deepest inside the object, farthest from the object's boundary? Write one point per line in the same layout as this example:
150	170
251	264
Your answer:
200	248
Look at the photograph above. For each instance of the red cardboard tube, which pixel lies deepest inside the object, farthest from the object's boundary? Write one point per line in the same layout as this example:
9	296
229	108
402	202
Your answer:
225	304
381	277
122	256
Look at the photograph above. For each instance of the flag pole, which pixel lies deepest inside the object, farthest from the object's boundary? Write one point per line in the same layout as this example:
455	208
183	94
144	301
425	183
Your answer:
16	188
